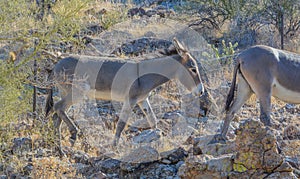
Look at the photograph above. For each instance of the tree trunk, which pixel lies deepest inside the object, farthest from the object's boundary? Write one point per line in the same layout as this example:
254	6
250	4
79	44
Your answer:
281	30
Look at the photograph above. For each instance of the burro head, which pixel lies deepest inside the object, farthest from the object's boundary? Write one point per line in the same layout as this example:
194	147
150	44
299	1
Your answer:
188	72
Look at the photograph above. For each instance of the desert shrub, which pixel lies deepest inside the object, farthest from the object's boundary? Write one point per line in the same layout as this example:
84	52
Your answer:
27	30
113	17
15	99
225	53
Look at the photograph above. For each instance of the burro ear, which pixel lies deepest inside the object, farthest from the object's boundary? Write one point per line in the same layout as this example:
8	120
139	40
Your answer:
179	47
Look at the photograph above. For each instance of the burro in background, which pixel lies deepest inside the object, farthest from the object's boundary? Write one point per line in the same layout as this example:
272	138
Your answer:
118	80
267	72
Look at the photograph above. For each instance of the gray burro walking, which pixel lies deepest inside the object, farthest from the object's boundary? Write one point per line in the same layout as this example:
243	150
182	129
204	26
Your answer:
118	80
267	72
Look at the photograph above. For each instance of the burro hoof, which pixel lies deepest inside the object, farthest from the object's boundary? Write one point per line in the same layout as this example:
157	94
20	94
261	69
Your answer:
80	134
73	137
72	141
218	138
61	152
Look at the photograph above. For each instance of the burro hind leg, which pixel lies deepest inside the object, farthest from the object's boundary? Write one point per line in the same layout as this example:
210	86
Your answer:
265	108
126	110
57	128
263	90
60	108
244	92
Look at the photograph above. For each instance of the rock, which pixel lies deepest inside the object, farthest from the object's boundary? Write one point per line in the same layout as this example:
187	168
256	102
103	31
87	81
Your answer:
257	173
10	169
212	126
131	167
165	161
159	12
84	170
256	148
178	165
42	152
246	175
136	12
3	177
297	173
27	169
281	175
16	175
98	175
291	148
191	106
206	166
142	46
22	146
80	157
183	127
172	115
157	171
254	153
177	125
108	165
151	12
150	34
105	44
147	136
142	124
271	160
202	146
291	132
92	29
174	155
166	171
284	167
138	157
294	162
222	164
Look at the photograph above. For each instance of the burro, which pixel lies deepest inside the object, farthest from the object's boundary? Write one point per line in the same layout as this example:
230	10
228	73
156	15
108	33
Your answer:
267	72
118	80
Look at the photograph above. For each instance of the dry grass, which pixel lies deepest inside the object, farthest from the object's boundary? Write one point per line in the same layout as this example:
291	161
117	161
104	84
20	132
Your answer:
52	167
162	28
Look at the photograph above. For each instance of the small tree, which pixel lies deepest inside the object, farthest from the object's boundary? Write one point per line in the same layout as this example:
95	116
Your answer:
248	15
284	15
25	34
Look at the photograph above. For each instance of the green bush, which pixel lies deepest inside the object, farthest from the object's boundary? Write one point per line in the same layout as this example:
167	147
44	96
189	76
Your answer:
112	17
225	53
15	100
26	33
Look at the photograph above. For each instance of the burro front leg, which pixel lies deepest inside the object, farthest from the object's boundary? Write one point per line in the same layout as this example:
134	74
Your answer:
126	110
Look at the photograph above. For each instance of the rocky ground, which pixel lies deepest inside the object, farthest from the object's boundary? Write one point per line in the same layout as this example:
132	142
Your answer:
254	151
